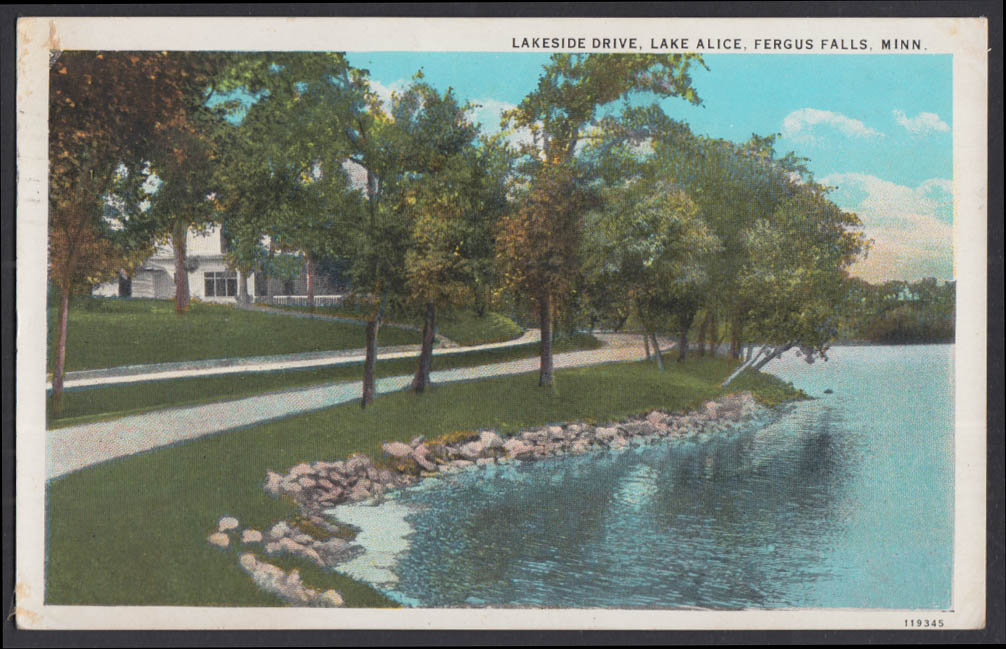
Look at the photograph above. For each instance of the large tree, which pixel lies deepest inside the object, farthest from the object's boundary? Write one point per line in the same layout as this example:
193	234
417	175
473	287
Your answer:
108	111
570	101
796	272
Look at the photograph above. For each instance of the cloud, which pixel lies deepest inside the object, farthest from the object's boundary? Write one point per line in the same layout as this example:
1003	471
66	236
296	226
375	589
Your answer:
488	113
384	92
911	227
806	123
921	124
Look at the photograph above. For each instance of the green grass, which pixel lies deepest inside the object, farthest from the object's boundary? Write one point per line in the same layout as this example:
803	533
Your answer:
133	531
94	404
108	332
462	326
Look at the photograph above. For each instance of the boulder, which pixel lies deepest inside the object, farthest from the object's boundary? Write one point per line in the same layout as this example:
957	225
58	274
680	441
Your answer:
490	439
301	469
517	448
227	523
330	598
307	483
656	417
396	450
472	450
359	492
251	536
273	481
279	530
219	539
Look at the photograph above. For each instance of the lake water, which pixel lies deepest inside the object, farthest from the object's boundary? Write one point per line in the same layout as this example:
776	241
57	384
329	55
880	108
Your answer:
842	501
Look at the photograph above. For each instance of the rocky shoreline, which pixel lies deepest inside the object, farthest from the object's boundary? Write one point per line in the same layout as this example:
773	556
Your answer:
323	485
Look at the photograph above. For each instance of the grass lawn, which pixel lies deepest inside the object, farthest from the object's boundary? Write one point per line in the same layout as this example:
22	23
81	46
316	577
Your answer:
462	326
110	332
133	531
92	404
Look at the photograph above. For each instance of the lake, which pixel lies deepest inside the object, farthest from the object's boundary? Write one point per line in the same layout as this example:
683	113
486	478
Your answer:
845	500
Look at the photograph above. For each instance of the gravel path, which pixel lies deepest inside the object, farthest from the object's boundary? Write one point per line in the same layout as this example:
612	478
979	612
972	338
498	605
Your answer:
75	447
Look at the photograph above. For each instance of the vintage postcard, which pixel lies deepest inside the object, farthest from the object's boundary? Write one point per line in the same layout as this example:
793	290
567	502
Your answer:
393	323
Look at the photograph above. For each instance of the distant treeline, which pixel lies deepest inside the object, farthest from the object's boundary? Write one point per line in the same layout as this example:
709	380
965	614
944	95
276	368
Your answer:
899	312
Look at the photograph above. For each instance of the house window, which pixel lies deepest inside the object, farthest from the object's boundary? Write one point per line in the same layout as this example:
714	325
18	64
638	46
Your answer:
221	284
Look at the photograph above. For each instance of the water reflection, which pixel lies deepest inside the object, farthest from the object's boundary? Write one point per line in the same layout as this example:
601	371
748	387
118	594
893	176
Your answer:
806	509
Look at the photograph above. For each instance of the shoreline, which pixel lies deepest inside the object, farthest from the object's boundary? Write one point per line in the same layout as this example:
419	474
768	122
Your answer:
323	490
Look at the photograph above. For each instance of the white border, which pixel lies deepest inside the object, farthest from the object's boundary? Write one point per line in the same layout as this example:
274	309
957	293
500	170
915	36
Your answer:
965	38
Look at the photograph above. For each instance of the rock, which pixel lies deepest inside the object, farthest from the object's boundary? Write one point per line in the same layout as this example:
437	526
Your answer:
279	530
472	450
829	391
291	487
606	434
227	523
272	548
517	448
304	539
490	439
300	469
421	457
482	461
359	492
711	408
357	464
396	450
307	483
417	440
251	536
219	539
273	481
656	417
287	587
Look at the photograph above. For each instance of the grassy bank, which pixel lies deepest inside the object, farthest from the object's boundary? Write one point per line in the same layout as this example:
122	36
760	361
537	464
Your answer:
94	404
463	326
133	531
109	332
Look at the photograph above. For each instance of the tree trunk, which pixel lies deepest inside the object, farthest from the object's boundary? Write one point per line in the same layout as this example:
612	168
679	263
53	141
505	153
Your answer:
178	235
243	296
702	334
735	338
759	360
370	362
656	351
309	272
646	344
59	371
683	344
422	377
546	374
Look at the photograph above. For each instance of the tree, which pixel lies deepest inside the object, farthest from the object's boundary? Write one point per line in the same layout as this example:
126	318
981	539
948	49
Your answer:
107	111
796	271
538	245
447	198
649	242
559	113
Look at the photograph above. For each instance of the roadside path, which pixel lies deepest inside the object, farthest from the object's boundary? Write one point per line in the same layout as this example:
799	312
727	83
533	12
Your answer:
265	308
218	366
75	447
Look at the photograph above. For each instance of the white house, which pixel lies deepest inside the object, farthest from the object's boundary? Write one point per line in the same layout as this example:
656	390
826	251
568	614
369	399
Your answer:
210	279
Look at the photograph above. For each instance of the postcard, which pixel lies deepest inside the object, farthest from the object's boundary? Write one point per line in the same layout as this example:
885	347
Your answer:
444	323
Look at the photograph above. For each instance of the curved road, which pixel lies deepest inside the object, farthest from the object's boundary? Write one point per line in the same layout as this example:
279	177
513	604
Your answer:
75	447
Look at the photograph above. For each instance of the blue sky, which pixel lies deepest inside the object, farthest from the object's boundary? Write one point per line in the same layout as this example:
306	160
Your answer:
875	127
